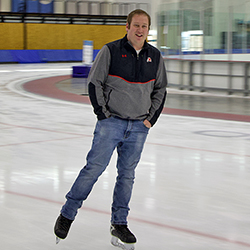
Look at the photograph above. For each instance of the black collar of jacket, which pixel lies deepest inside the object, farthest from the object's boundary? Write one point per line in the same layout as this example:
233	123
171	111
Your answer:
126	43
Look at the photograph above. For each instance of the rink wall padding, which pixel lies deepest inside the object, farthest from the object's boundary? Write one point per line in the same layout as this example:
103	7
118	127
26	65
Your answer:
11	36
70	36
45	36
42	56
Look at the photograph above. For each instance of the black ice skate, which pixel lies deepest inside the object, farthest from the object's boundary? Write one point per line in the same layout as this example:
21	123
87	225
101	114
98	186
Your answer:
61	228
122	237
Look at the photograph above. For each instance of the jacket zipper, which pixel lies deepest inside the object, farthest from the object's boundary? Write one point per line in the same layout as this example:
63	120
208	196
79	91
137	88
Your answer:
137	68
137	65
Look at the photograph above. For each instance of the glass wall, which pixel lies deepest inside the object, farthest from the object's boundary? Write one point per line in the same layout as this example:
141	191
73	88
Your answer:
204	27
241	28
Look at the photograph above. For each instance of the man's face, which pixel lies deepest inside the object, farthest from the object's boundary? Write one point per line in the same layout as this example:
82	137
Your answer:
138	31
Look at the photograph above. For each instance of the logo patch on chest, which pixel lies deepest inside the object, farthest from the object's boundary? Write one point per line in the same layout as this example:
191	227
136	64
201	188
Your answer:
149	59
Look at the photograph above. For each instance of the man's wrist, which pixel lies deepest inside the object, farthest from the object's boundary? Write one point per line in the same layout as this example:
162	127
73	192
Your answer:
147	123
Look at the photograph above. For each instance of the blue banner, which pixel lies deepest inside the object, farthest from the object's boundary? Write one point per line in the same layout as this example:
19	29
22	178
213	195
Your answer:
46	6
33	6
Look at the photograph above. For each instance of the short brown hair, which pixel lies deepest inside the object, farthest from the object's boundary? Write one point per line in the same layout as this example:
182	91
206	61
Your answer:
138	12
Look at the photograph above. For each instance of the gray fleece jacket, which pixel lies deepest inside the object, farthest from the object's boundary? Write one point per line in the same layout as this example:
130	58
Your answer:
128	85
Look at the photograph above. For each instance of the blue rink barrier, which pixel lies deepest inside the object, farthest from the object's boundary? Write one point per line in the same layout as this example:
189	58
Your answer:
42	56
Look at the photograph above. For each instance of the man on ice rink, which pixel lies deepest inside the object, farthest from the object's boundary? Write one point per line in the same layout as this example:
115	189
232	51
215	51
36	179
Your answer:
127	88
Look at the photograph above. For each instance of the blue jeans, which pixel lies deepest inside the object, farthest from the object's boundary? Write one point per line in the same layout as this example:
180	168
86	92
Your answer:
128	136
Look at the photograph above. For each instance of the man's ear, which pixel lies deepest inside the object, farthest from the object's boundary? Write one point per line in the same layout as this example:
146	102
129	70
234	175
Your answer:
127	26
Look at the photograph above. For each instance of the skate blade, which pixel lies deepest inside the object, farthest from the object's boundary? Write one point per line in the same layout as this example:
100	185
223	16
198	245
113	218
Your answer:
57	240
117	243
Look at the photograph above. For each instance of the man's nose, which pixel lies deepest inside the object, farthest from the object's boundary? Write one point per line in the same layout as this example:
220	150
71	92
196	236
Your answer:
140	29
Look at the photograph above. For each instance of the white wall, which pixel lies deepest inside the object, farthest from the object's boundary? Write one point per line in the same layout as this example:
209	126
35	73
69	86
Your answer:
5	5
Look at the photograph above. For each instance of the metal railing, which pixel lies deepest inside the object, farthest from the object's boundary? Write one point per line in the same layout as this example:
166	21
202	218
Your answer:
6	17
205	75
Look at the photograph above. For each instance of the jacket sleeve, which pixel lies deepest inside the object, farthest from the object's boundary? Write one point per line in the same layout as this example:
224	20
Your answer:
96	80
159	93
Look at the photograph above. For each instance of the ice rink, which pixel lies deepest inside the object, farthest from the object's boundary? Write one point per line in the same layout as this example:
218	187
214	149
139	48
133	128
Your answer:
192	188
